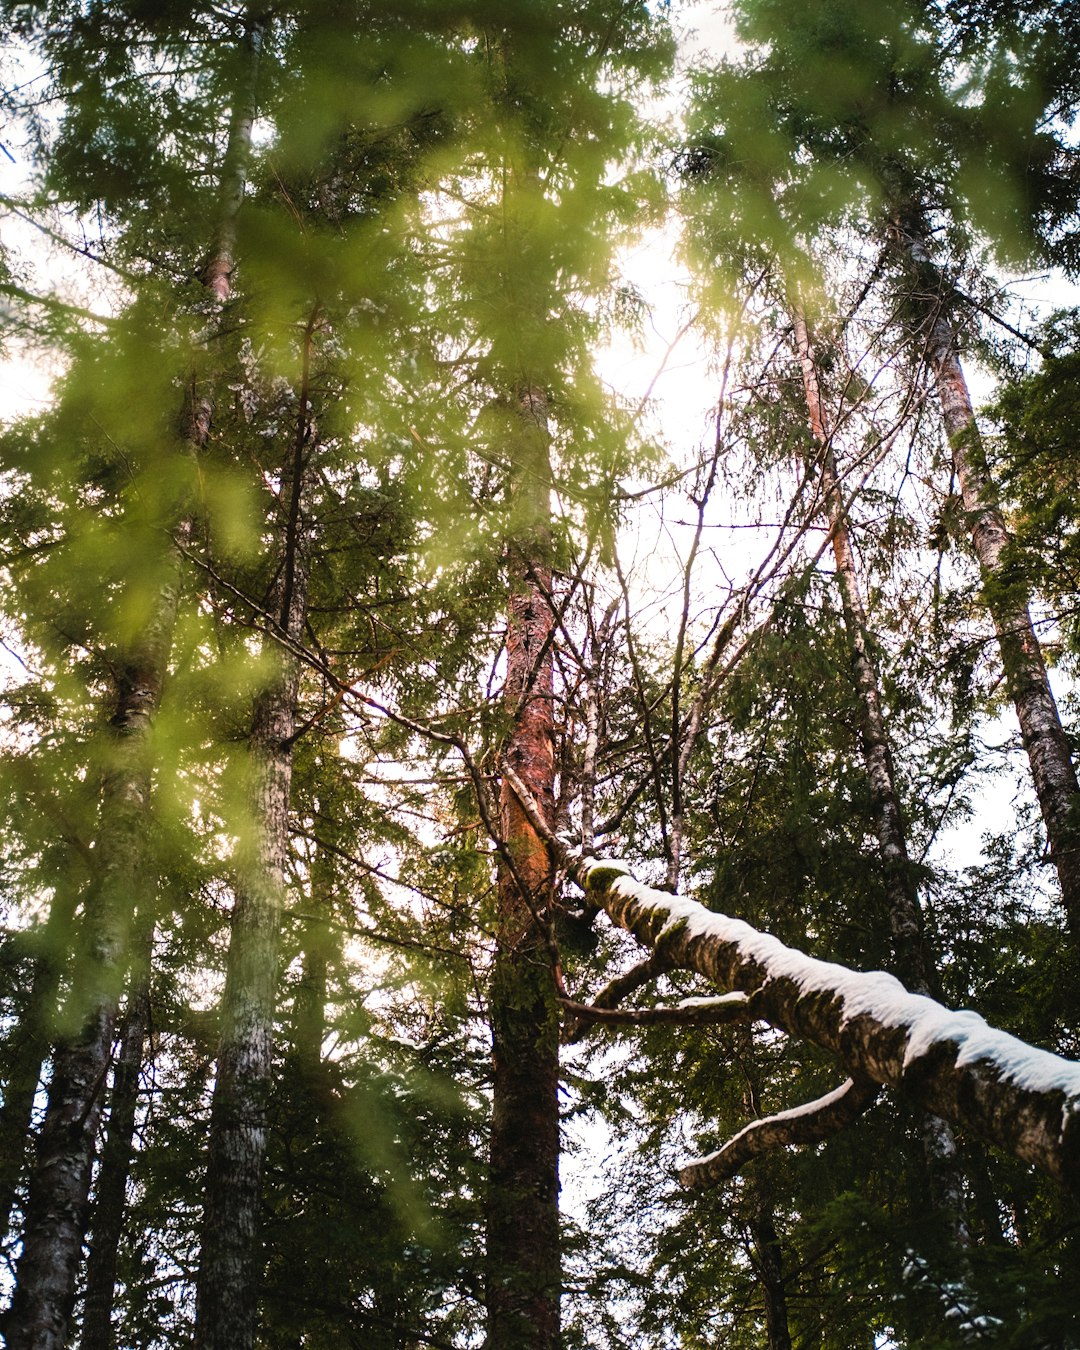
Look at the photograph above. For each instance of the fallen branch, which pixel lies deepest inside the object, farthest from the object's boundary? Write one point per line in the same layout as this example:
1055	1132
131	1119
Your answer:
1022	1099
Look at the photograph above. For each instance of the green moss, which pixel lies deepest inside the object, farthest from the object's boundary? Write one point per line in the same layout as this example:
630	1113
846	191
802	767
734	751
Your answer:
603	876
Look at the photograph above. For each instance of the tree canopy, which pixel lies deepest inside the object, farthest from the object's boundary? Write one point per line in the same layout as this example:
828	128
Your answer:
365	631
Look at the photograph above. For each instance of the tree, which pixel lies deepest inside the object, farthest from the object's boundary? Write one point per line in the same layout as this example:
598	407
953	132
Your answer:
837	154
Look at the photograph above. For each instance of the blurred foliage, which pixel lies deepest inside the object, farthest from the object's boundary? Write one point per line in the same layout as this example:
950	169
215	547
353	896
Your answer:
436	197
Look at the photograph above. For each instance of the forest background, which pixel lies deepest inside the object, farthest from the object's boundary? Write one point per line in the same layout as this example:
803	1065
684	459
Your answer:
355	607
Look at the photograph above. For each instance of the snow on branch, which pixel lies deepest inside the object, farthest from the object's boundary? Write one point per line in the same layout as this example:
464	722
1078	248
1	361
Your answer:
1022	1099
808	1124
723	1011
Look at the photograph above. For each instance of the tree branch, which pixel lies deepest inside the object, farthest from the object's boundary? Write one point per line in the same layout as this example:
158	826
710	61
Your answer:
692	1012
808	1124
1022	1099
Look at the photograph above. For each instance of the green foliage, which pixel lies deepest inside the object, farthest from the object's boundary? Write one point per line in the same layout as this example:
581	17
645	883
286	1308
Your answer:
847	113
1036	413
435	200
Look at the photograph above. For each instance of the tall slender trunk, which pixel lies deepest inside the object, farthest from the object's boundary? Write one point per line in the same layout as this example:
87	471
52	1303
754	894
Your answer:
318	944
1006	597
523	1258
58	1203
914	958
116	1155
905	913
227	1287
232	181
29	1047
767	1254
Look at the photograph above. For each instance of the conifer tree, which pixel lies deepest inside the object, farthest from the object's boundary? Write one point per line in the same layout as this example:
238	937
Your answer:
884	141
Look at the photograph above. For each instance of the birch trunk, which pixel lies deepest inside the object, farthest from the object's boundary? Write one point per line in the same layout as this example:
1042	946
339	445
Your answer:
228	1278
1026	678
1017	1097
523	1258
1024	1100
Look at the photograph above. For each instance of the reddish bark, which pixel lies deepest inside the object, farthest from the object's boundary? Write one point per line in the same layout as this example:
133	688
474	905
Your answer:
523	1273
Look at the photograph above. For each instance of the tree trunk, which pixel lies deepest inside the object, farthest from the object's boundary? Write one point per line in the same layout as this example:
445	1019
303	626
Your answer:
320	942
309	1006
29	1047
58	1206
767	1254
913	957
1006	597
523	1258
111	1188
768	1257
228	1279
225	1307
58	1203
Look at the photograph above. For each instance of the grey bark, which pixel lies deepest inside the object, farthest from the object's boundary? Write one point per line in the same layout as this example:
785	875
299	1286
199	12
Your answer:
29	1048
1044	741
228	1278
232	181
